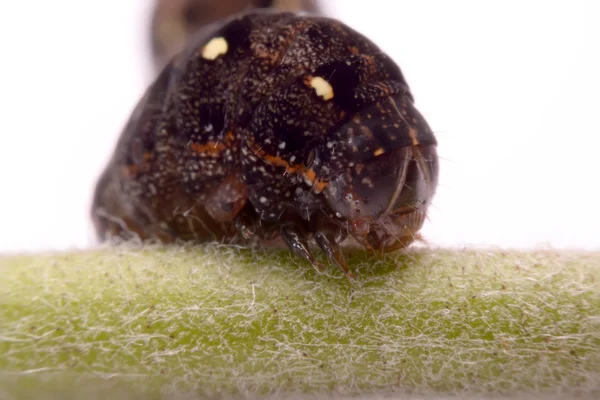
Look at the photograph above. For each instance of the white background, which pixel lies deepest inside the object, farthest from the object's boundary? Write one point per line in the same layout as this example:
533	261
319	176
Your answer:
512	89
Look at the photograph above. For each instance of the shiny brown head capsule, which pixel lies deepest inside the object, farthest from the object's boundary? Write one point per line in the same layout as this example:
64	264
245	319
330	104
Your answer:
174	21
274	125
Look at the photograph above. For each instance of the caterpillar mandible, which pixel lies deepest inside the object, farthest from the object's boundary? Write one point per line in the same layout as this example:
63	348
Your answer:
274	125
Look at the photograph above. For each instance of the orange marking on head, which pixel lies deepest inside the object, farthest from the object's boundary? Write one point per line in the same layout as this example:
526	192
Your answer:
280	162
370	62
368	59
133	170
212	148
229	137
378	152
274	160
308	173
412	132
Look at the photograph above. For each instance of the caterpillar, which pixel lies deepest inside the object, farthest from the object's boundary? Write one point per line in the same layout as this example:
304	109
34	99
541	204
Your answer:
274	125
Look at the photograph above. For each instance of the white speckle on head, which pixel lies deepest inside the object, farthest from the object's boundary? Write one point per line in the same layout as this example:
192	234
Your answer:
322	87
282	145
214	48
368	182
263	200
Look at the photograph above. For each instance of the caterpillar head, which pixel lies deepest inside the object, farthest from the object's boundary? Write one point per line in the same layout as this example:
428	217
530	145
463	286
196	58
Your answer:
382	171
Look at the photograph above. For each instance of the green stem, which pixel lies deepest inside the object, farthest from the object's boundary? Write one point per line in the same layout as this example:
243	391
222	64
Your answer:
220	319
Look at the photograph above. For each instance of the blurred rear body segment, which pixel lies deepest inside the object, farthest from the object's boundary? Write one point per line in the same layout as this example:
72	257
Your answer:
175	21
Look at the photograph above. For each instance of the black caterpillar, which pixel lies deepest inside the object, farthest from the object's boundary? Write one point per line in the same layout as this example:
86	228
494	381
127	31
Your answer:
274	125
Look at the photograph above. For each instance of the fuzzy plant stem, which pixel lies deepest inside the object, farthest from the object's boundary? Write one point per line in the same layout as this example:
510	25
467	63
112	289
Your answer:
223	321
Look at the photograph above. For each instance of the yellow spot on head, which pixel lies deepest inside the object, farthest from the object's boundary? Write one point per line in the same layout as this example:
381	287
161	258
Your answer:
322	87
214	48
378	152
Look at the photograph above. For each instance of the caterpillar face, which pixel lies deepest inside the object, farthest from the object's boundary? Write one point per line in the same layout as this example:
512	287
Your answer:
175	21
274	125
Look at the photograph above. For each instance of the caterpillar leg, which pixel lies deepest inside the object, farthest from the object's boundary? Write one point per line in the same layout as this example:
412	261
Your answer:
297	242
334	253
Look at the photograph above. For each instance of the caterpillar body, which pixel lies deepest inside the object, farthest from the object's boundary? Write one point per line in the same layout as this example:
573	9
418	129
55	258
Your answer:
273	125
